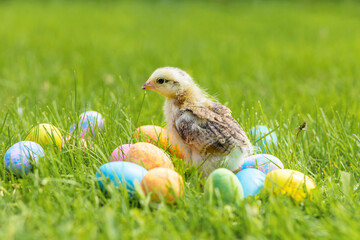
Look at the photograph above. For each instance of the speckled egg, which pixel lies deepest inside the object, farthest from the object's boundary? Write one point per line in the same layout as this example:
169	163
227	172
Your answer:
263	162
148	156
290	183
90	123
252	181
46	135
223	186
120	152
152	134
264	143
159	137
121	173
20	156
163	183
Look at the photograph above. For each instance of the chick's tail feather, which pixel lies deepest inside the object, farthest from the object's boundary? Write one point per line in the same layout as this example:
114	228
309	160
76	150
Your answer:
235	159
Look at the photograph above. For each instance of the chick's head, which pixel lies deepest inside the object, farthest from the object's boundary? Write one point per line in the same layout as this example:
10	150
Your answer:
168	81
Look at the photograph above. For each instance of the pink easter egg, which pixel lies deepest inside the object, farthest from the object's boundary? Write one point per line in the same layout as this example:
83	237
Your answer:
119	153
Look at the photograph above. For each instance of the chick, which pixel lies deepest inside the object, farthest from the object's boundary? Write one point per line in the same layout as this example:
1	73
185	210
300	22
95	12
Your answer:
205	130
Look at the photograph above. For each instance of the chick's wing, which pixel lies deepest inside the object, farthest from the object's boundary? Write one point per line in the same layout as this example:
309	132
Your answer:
209	130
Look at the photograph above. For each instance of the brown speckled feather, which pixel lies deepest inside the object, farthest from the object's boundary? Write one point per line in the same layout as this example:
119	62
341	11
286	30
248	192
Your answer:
210	130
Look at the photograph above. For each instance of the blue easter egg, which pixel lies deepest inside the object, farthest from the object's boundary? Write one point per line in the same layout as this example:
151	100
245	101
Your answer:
121	173
72	128
263	162
20	156
252	181
90	121
264	143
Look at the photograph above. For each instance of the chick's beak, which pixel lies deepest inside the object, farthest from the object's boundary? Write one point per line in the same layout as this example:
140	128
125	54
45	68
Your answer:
148	85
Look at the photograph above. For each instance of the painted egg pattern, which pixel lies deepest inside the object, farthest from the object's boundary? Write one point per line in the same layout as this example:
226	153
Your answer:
90	121
19	157
152	134
265	144
45	135
120	152
289	183
252	181
72	129
222	185
148	156
159	137
163	183
121	173
263	162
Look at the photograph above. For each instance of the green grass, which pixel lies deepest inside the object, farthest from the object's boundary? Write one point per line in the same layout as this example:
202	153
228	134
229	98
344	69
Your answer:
278	64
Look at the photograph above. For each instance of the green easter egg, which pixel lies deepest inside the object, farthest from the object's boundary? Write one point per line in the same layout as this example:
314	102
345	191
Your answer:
222	186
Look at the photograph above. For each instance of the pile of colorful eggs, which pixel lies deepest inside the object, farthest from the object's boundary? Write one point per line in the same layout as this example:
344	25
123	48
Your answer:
257	172
261	171
145	168
22	156
145	164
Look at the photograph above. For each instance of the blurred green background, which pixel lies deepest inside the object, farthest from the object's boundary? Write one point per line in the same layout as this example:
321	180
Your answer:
287	55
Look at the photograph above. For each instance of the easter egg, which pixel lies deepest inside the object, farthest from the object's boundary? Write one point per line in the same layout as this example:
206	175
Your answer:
290	183
90	123
121	173
119	153
72	129
152	134
263	162
223	186
45	135
159	137
163	183
263	139
20	156
148	156
252	181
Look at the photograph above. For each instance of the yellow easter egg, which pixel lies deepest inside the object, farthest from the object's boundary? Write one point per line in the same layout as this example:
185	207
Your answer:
289	183
159	137
148	156
45	135
163	183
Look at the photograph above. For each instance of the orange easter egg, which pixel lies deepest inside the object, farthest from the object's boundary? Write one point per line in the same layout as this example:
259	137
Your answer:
175	150
152	134
163	183
159	137
148	156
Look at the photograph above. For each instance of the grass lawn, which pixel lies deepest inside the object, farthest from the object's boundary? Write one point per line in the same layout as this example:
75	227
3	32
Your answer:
273	63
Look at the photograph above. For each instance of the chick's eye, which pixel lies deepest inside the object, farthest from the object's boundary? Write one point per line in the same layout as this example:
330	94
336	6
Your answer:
161	80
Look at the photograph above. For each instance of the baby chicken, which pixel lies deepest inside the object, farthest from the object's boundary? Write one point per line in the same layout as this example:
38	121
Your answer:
205	130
